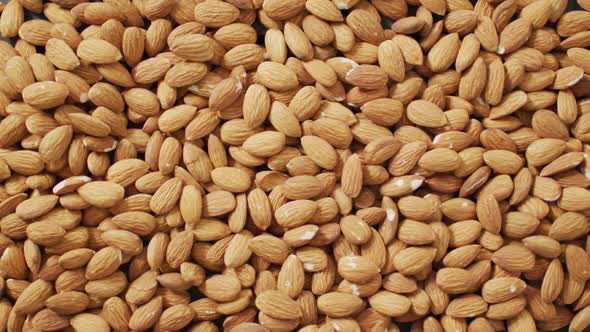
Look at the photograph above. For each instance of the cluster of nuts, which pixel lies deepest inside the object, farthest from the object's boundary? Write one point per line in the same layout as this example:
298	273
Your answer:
282	165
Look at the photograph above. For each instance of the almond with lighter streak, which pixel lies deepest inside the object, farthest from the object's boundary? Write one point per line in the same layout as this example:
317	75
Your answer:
166	196
552	281
231	179
147	315
127	242
455	140
568	226
515	258
427	114
337	304
256	105
300	236
138	222
578	262
103	194
269	247
357	269
61	55
193	47
390	304
321	72
401	186
473	82
407	158
544	151
284	120
440	160
567	77
502	161
259	207
104	263
98	51
276	76
213	14
264	144
75	258
277	305
352	178
320	151
579	56
489	213
380	150
502	289
414	232
514	35
175	318
33	297
410	49
291	277
467	306
45	233
295	213
47	319
55	143
151	70
225	93
67	303
415	207
383	111
443	54
405	261
221	288
367	77
391	60
127	171
44	95
355	230
36	206
176	118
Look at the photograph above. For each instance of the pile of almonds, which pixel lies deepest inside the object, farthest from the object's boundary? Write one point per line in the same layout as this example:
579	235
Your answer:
282	165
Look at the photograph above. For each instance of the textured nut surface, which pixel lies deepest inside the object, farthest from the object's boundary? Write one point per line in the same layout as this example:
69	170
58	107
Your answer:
294	165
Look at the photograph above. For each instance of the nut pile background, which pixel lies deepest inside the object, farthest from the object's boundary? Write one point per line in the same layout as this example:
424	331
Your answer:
280	165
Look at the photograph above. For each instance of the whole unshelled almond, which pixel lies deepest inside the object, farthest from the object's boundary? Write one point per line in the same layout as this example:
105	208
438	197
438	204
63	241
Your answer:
67	303
90	321
320	151
103	194
61	55
338	304
98	51
269	247
33	297
193	47
45	95
215	14
231	179
514	258
277	305
276	76
390	304
36	206
427	114
502	289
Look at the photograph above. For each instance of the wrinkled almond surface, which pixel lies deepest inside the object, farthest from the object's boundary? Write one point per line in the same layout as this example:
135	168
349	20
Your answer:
294	165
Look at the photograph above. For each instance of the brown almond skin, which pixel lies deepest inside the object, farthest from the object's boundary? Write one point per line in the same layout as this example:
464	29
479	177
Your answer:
313	165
